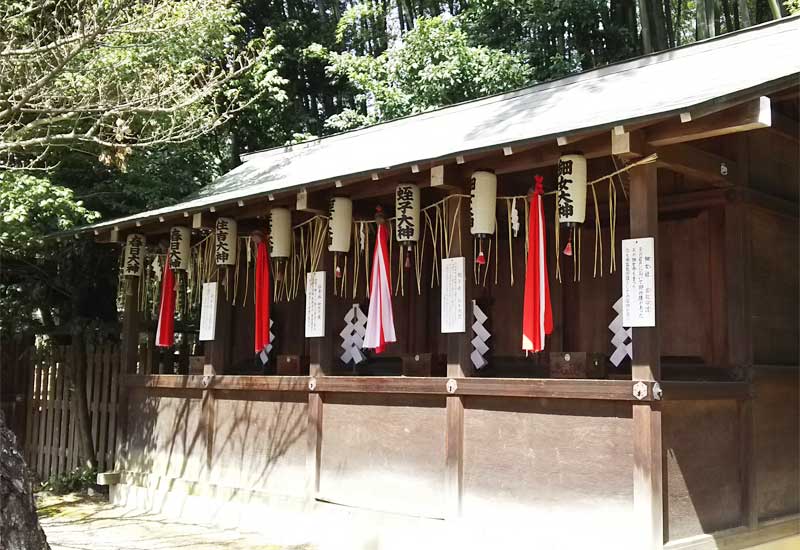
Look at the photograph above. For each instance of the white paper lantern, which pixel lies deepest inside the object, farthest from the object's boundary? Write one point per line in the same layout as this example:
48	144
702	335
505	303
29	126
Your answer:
226	241
406	209
133	260
483	197
280	233
572	188
340	225
180	240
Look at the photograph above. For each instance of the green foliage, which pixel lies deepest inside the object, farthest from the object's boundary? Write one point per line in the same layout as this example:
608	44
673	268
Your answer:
792	6
32	207
75	481
432	67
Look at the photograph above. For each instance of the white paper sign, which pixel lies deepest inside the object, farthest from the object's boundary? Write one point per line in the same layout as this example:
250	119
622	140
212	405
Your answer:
453	301
315	304
208	312
638	283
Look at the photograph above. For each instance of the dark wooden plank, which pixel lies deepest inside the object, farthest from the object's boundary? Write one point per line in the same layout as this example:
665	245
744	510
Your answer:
747	465
683	391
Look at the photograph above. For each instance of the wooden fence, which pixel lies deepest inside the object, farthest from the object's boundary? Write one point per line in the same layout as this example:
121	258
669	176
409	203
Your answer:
53	443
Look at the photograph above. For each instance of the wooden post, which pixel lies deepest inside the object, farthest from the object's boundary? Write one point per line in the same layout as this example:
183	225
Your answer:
648	495
320	363
459	365
129	352
217	351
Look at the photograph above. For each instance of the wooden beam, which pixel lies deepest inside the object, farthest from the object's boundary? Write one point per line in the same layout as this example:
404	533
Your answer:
628	145
750	115
310	202
698	164
648	488
785	126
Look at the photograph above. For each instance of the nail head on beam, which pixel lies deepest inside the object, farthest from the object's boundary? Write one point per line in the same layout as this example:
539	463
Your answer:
96	232
686	117
507	151
375	176
562	141
212	209
161	219
185	214
240	203
138	223
415	168
459	159
338	183
271	197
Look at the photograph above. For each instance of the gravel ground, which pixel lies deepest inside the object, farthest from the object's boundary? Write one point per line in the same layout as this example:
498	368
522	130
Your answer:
80	522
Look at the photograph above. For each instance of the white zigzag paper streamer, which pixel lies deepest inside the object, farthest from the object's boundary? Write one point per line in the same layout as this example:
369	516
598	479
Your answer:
481	336
514	217
622	338
264	355
353	335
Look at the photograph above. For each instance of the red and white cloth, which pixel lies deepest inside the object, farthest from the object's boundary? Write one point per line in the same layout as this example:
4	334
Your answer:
537	316
262	297
380	320
165	334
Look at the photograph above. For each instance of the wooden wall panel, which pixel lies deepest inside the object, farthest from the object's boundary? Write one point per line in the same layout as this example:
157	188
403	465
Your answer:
701	476
777	441
560	468
774	276
259	441
384	452
165	437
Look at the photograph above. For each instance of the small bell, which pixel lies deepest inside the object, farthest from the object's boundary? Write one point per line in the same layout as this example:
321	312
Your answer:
568	248
407	264
481	259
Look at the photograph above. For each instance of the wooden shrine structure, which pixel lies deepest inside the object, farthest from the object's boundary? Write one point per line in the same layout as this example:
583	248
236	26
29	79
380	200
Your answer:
691	444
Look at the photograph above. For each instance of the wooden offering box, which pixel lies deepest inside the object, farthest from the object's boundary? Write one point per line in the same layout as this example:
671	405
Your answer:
578	364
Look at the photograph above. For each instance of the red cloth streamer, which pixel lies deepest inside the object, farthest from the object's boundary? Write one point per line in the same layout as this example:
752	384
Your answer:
537	317
165	334
380	320
262	297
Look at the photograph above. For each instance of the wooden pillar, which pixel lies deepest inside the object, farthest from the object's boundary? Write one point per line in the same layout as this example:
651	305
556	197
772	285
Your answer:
648	493
459	365
217	352
130	350
320	364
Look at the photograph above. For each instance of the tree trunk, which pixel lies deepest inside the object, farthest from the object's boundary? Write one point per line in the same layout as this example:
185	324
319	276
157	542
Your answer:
19	524
79	381
744	14
775	8
668	21
704	16
647	34
726	10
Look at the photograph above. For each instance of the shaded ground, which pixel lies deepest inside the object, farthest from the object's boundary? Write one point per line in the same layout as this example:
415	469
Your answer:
79	522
